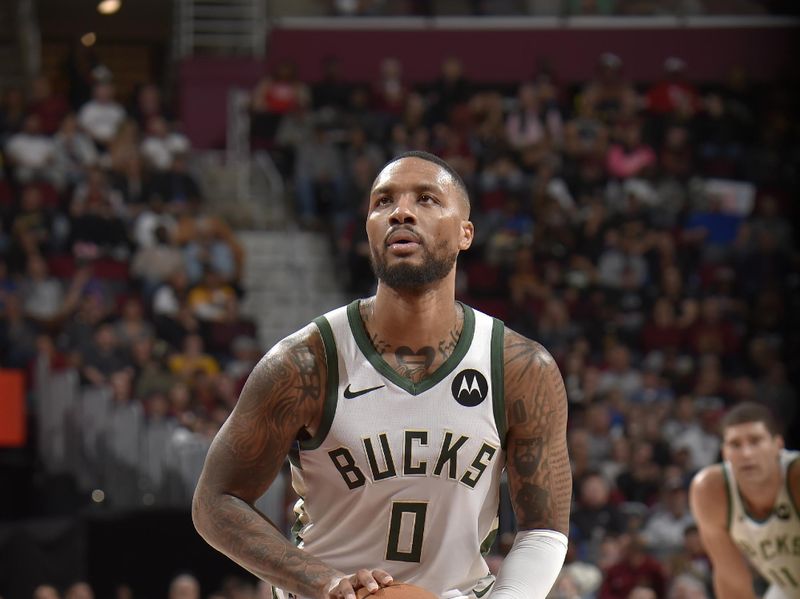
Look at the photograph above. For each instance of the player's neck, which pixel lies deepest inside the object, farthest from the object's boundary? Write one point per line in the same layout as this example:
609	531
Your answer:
413	318
760	496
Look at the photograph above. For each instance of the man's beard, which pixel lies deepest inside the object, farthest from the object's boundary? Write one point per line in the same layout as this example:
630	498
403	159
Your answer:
413	276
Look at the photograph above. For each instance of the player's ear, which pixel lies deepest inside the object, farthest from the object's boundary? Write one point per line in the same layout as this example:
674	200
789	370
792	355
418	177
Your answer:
466	235
780	442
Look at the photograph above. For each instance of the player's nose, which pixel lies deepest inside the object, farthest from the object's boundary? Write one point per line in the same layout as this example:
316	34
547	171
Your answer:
403	211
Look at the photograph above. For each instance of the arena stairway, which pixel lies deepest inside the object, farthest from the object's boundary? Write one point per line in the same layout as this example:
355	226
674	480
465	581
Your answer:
290	278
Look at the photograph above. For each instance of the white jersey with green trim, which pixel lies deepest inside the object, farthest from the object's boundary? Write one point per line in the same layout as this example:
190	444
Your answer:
772	545
405	476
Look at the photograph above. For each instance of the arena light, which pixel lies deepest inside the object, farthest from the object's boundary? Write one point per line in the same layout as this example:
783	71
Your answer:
88	39
108	7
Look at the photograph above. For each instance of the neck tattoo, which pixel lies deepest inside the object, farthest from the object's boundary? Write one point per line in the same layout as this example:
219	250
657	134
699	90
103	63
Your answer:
411	363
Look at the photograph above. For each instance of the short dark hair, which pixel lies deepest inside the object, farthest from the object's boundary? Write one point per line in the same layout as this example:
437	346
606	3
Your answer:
749	411
439	162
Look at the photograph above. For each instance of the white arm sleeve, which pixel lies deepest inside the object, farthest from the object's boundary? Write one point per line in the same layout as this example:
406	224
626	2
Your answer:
532	565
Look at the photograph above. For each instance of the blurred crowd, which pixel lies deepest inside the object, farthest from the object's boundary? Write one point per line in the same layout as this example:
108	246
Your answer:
108	263
638	230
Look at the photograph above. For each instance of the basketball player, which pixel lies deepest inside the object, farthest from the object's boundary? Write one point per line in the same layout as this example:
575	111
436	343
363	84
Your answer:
747	507
398	413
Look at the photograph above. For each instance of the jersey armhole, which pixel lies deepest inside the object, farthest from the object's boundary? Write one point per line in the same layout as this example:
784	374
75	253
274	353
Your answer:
498	383
332	387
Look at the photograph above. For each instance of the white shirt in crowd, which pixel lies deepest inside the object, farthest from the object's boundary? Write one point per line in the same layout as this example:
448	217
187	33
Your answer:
101	119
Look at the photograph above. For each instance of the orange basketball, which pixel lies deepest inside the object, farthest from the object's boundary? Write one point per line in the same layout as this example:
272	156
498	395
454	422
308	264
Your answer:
400	590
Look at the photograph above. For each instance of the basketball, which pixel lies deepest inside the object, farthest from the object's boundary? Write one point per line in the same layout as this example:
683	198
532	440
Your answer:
397	591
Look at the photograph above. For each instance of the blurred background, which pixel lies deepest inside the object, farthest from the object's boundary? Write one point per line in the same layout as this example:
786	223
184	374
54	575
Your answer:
183	183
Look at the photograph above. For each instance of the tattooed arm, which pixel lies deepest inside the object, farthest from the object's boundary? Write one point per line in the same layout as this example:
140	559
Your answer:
538	470
539	476
283	396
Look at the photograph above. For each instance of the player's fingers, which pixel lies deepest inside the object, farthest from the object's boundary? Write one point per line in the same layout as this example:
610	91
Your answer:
383	577
342	590
366	579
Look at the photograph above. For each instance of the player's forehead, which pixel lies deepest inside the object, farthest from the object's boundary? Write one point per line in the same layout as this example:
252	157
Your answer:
411	173
738	432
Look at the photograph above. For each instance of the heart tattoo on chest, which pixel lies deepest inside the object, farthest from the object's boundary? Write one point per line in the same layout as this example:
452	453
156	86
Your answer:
415	360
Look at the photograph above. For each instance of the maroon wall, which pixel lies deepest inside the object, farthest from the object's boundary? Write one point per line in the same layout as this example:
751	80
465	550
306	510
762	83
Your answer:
502	55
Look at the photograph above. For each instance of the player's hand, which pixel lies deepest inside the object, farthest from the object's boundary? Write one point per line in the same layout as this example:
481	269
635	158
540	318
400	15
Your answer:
346	587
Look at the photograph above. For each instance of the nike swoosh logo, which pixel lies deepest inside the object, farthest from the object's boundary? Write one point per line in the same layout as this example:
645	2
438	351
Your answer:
480	594
353	394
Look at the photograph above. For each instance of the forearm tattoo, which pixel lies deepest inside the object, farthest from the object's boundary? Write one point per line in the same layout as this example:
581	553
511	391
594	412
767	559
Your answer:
280	396
538	463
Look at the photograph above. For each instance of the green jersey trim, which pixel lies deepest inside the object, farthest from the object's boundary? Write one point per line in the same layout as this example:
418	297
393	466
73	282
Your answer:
728	493
792	499
486	546
498	384
379	364
331	394
480	594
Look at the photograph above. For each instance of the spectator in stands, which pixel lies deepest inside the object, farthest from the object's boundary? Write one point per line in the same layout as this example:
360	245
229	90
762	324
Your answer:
176	186
74	152
31	153
594	514
184	586
620	373
608	95
674	94
389	91
273	97
630	156
692	561
152	374
42	294
295	127
33	226
207	251
331	92
96	214
160	145
662	331
46	591
79	590
529	125
636	569
450	93
192	359
153	264
245	352
102	116
663	533
132	326
318	178
18	334
124	148
212	299
103	357
148	103
129	180
640	481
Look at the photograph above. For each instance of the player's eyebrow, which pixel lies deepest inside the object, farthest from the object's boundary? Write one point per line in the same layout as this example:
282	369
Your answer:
388	188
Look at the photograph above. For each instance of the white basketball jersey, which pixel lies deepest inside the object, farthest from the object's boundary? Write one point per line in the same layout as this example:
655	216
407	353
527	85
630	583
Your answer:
405	476
772	545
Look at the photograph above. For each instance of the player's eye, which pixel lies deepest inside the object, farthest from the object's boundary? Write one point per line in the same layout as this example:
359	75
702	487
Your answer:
426	198
383	200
